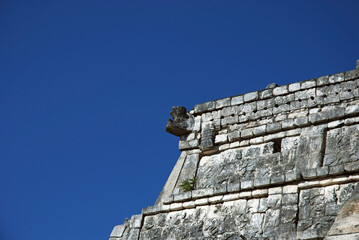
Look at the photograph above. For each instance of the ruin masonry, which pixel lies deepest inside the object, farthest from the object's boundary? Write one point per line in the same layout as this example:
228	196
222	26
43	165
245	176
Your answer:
278	163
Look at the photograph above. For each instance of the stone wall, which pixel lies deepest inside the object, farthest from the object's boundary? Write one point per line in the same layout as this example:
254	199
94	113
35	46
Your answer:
272	164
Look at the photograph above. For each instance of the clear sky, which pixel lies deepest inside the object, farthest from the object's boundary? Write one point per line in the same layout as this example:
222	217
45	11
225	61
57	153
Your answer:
86	88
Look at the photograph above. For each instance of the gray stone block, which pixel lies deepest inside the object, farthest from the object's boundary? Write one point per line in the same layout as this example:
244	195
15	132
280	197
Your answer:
235	135
204	192
258	131
349	75
336	78
308	84
351	167
268	93
288	124
282	90
246	185
233	187
183	196
229	120
224	102
271	85
294	87
273	127
352	110
118	231
309	173
261	182
220	189
336	170
204	107
323	81
301	121
206	144
248	97
322	171
277	179
289	199
247	133
237	100
317	118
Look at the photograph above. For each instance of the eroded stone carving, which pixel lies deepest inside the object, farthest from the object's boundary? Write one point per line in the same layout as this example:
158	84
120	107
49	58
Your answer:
182	122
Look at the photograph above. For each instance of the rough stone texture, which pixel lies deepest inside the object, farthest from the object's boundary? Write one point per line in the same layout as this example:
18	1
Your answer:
346	225
278	163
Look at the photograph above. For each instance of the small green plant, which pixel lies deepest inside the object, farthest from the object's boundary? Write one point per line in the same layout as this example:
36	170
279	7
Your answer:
189	184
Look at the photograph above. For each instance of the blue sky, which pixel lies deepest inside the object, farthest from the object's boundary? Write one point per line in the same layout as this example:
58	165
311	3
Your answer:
86	88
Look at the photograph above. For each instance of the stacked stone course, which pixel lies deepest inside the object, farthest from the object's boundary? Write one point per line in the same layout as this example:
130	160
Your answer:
272	164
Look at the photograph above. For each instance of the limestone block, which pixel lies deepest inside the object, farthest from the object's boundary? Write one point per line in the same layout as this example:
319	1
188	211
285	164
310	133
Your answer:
237	100
275	190
224	147
317	118
235	135
215	199
220	189
277	179
352	110
280	90
290	189
245	185
118	231
136	221
308	84
258	131
323	81
268	93
351	167
274	127
322	171
288	124
221	138
336	78
245	194
176	206
231	197
201	201
294	87
202	192
224	102
256	140
229	120
301	121
184	145
197	124
247	133
261	182
336	170
233	187
229	111
183	196
204	107
259	192
349	75
250	96
189	204
291	198
309	173
249	108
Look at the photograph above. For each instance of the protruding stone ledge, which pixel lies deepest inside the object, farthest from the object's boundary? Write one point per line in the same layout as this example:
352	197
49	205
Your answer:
305	179
287	190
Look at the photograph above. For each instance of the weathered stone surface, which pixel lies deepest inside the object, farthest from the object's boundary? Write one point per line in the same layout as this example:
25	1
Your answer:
273	164
347	221
182	122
